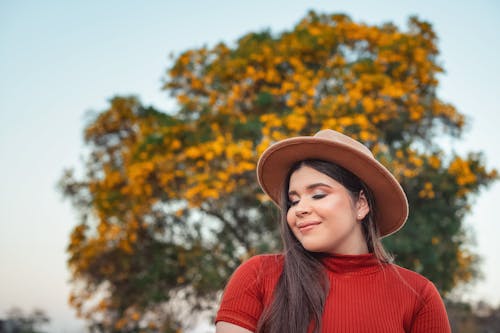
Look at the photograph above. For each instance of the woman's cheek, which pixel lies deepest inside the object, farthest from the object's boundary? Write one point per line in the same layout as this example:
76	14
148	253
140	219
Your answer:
290	218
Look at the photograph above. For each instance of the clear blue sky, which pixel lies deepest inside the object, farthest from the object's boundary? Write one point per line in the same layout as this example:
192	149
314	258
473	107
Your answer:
60	59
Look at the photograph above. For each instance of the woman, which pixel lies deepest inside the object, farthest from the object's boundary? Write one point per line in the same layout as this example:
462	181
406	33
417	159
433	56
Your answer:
337	201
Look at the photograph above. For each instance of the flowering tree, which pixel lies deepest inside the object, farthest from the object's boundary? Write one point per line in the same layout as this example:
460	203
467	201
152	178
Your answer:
170	203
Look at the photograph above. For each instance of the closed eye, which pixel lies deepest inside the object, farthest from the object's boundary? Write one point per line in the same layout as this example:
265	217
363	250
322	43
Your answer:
318	196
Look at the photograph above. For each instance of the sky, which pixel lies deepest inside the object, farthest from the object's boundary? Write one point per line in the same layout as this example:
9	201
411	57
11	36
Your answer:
60	60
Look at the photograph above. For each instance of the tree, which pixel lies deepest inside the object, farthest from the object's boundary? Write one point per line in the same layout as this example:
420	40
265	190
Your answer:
19	322
170	204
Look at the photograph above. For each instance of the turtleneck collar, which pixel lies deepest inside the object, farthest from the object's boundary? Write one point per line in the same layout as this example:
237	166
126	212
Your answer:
348	264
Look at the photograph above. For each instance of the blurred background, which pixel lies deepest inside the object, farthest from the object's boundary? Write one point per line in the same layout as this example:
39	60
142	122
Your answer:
63	64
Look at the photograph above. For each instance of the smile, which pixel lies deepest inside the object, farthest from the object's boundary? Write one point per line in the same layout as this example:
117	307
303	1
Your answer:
306	226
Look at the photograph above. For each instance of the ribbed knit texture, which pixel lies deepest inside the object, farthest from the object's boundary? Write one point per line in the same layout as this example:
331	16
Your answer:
364	296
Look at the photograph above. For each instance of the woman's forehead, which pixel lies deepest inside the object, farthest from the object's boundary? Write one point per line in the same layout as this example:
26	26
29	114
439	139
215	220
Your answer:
306	178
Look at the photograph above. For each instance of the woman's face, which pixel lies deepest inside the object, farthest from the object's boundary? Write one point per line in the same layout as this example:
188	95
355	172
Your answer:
323	215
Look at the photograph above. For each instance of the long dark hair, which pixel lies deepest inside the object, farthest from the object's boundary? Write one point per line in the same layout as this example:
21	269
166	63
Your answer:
300	294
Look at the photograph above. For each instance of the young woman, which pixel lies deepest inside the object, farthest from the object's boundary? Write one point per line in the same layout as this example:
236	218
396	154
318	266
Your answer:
337	201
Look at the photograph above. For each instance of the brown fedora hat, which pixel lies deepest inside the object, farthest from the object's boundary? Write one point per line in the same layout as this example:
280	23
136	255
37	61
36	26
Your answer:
391	204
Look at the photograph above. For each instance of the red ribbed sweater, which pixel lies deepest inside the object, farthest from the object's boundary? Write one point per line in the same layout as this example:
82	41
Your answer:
364	296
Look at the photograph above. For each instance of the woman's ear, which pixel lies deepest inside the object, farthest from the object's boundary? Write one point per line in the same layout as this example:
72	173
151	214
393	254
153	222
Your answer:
362	207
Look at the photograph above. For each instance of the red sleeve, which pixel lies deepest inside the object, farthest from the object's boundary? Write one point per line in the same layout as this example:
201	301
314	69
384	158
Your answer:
242	301
431	316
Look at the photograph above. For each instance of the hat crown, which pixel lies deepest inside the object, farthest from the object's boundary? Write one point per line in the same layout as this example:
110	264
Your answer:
335	136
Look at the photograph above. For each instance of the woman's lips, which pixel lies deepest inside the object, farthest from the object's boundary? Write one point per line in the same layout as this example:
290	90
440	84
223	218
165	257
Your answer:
306	226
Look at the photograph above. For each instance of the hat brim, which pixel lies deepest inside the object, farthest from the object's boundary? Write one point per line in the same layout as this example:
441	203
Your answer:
390	200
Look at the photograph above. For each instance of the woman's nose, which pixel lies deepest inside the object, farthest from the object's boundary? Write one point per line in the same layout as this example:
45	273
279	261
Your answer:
302	209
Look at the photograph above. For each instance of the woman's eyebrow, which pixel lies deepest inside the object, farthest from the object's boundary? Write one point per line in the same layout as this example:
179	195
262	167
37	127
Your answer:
310	187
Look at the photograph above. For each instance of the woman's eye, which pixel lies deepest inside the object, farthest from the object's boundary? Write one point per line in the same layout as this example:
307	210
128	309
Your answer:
319	196
292	202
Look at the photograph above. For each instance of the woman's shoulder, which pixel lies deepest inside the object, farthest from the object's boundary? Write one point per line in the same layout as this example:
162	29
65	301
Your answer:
263	262
269	258
429	307
409	274
259	270
413	279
